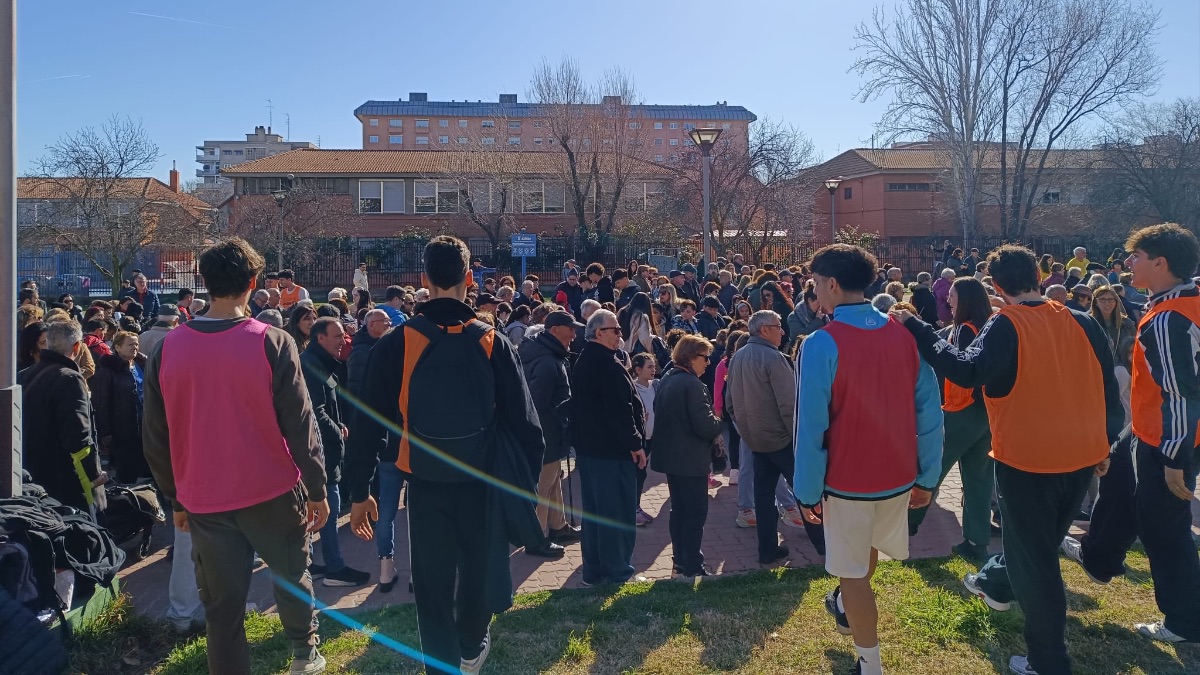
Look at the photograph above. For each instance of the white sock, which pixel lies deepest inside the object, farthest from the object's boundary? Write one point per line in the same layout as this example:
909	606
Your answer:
870	660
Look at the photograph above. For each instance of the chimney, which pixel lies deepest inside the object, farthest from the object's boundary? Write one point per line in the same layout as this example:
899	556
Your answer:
612	100
174	177
508	98
418	96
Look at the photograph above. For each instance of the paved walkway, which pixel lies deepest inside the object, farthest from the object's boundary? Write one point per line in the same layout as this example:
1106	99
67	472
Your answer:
727	549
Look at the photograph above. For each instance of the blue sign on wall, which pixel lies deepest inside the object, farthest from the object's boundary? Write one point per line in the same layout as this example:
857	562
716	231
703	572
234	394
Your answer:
524	245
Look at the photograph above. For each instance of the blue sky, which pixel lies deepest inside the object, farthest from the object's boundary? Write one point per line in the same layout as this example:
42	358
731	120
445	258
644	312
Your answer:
207	69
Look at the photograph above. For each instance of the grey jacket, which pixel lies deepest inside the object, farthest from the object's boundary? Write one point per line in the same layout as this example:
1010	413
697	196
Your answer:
684	426
761	396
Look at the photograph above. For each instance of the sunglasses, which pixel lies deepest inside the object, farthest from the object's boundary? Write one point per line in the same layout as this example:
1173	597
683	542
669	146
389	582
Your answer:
614	328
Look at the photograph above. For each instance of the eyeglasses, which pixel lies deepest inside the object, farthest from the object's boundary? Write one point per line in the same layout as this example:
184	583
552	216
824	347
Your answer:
773	325
613	328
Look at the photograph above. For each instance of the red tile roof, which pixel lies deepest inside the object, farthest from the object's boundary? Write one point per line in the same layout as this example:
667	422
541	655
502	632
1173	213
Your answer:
148	189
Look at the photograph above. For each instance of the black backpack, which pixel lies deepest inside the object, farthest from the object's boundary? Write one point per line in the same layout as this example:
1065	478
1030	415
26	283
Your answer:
447	400
132	512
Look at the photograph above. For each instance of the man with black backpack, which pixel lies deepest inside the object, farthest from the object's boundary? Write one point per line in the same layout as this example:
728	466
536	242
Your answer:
442	382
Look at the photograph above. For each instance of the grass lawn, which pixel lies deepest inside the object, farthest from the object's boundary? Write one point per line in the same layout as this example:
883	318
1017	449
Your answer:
764	622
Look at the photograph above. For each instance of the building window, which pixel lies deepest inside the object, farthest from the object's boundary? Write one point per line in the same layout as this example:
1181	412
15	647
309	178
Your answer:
725	126
237	152
674	158
422	124
396	123
488	124
635	125
443	123
514	125
374	122
462	124
532	196
688	126
372	139
380	196
226	152
514	140
674	125
658	125
443	139
537	125
847	193
537	141
395	140
425	196
688	142
908	187
422	140
487	140
658	141
658	158
1052	197
674	141
462	140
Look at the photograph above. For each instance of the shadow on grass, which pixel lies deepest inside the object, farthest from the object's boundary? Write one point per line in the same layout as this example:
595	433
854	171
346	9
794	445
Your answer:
1112	649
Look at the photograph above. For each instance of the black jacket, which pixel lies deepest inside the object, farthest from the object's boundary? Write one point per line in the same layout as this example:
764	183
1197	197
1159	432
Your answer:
923	300
710	325
627	294
372	442
574	296
356	365
684	426
56	421
322	375
119	413
545	362
606	412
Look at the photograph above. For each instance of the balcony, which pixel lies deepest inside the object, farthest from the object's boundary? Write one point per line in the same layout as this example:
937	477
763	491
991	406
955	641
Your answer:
208	172
201	157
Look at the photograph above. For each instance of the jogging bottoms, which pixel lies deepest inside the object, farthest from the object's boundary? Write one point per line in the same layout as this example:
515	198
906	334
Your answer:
1165	526
1114	524
769	467
968	440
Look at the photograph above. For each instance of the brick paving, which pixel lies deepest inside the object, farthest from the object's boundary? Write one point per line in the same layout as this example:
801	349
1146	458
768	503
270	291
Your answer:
728	549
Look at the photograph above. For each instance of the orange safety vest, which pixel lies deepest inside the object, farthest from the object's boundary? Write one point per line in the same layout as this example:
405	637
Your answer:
1145	396
954	397
288	298
1055	363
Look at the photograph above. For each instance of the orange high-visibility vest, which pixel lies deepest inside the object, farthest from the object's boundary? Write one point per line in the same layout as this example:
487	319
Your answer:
954	397
1145	396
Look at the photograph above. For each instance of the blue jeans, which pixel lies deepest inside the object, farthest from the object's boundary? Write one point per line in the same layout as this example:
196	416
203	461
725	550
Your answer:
390	482
783	494
331	550
609	490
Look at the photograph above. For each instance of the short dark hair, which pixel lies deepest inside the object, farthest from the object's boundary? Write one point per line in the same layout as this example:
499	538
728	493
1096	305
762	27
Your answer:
93	325
595	268
619	274
1014	269
329	310
322	324
447	261
273	275
286	274
393	293
686	303
230	267
1170	241
26	294
134	309
852	266
185	293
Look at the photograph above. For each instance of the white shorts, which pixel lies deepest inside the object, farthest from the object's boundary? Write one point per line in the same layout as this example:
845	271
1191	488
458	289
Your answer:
853	528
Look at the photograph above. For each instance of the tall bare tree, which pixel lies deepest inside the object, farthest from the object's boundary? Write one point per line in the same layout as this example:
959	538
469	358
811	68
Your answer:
310	211
97	201
599	131
1152	160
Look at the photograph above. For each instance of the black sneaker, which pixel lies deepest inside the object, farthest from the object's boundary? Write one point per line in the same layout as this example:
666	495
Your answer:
316	571
780	553
841	623
565	535
857	667
702	572
347	576
547	550
976	553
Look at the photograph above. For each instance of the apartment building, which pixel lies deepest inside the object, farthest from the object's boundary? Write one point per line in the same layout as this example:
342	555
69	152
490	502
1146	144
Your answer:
420	124
213	156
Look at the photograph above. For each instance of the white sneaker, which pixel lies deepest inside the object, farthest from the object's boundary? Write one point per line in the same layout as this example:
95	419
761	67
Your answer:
733	476
473	666
791	517
1019	665
1073	550
1159	631
746	518
971	582
313	664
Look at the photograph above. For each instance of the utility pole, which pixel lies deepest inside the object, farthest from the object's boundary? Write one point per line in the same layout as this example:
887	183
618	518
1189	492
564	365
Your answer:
10	392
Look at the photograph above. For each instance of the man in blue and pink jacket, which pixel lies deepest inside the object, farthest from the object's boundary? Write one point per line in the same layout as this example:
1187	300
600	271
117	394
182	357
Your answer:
868	438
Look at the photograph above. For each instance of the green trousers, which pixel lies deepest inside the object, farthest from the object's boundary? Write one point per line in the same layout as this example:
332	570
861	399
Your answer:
968	441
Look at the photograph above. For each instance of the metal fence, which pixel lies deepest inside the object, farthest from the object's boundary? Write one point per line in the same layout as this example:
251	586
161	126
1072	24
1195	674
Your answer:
330	263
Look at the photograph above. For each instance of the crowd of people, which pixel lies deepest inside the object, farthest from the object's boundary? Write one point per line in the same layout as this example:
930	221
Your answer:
835	395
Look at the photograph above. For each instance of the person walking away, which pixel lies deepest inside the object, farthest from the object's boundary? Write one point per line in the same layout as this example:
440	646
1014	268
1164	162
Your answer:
1147	494
968	437
609	438
414	375
687	430
762	401
254	481
644	370
290	292
545	361
1034	359
56	421
117	395
858	472
323	376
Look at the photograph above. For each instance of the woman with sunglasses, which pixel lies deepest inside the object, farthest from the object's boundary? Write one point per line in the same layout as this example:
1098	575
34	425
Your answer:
685	431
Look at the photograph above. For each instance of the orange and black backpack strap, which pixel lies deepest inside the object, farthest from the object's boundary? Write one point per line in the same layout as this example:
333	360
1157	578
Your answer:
419	333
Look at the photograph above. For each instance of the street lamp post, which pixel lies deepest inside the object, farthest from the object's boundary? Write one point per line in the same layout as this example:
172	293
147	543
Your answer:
281	196
832	185
706	139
